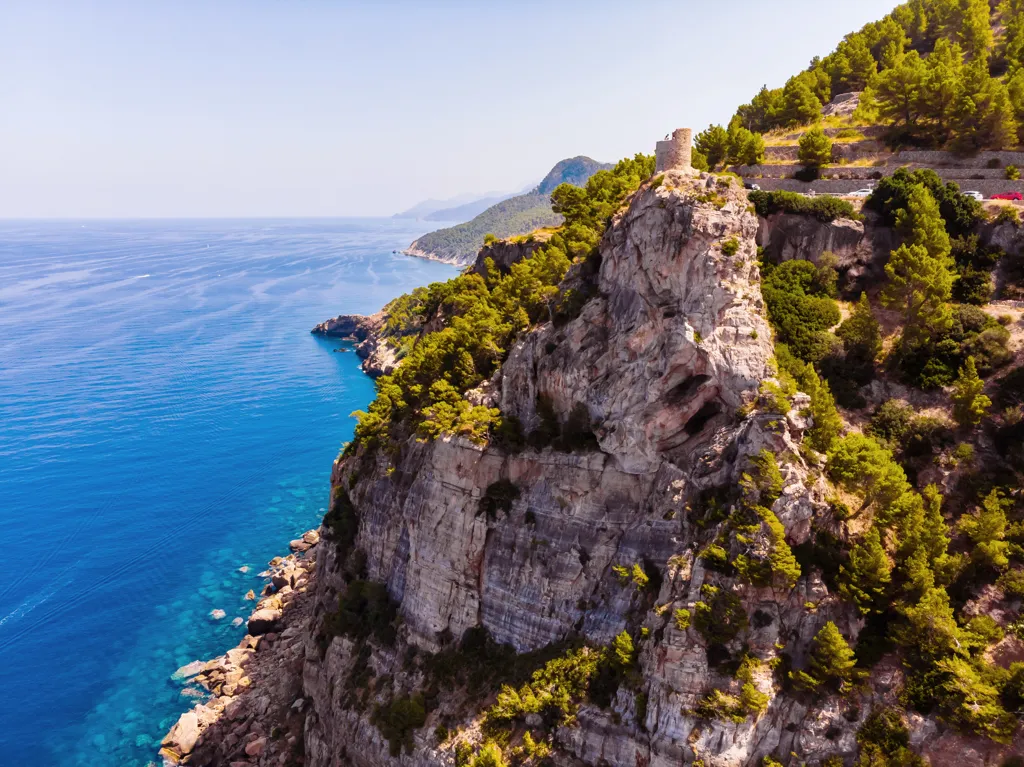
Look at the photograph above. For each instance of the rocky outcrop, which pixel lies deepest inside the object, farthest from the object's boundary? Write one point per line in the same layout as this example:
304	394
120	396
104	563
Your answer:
504	253
861	247
672	346
379	356
660	375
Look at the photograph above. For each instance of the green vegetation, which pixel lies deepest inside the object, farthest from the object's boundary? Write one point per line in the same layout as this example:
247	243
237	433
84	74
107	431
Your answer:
831	661
815	147
735	146
824	207
719	616
365	610
514	216
932	71
801	308
398	720
480	316
969	404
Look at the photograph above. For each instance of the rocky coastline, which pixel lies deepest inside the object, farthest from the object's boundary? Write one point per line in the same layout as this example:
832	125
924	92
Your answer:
430	256
252	707
378	356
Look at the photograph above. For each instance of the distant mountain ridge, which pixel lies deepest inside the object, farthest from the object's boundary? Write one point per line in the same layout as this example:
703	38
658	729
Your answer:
468	210
508	217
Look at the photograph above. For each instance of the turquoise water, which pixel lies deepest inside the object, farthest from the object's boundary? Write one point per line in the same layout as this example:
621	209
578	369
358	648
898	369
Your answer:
166	420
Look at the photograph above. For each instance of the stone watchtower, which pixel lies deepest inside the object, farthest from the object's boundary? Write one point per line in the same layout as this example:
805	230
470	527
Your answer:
674	152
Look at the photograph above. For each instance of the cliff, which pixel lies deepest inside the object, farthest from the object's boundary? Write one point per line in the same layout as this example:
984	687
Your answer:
638	506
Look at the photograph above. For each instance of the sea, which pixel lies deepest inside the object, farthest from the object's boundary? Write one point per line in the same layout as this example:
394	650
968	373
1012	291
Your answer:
167	425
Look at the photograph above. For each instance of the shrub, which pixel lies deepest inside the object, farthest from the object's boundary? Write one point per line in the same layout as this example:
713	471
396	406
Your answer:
800	308
730	247
490	239
397	721
499	496
720	616
365	609
1008	215
969	403
825	208
891	422
682	619
1012	173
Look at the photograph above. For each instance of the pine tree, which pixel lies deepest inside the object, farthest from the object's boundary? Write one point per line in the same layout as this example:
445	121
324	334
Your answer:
930	629
827	423
800	105
862	340
921	285
987	531
975	32
896	92
1015	90
831	659
866	578
785	568
921	223
713	143
942	87
971	700
969	402
623	652
815	147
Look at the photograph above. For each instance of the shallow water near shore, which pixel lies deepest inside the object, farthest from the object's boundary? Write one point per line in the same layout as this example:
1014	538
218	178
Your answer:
167	425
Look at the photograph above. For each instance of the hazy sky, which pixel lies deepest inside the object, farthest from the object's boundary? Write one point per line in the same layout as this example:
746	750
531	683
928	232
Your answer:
334	108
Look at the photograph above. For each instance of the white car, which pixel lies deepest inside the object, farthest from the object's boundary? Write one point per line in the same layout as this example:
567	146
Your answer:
861	193
975	195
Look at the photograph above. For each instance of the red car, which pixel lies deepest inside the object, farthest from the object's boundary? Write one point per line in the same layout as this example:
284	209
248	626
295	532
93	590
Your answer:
1008	196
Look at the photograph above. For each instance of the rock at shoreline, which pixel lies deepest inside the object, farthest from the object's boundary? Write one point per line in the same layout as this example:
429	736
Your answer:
250	595
217	614
264	621
188	670
182	738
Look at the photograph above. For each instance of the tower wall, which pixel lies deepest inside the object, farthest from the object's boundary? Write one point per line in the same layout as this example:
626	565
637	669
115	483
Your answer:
674	153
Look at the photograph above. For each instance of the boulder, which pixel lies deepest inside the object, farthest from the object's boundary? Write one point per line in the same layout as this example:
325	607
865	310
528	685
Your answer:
255	748
264	621
182	738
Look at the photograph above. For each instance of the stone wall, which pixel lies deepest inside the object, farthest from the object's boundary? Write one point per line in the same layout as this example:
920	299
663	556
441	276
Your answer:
845	186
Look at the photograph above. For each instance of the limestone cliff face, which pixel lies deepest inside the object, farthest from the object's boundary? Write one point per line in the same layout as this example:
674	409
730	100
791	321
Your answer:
672	345
861	247
665	359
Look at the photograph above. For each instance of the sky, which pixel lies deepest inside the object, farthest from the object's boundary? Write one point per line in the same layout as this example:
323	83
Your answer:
266	108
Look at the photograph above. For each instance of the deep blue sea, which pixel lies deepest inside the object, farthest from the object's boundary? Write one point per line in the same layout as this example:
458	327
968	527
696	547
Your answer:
166	419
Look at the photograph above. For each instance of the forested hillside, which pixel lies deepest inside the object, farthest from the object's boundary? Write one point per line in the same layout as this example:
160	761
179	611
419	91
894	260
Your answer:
943	74
514	216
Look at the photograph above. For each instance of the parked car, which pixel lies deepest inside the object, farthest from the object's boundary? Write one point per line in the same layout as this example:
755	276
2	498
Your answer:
751	186
976	195
861	193
1007	196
